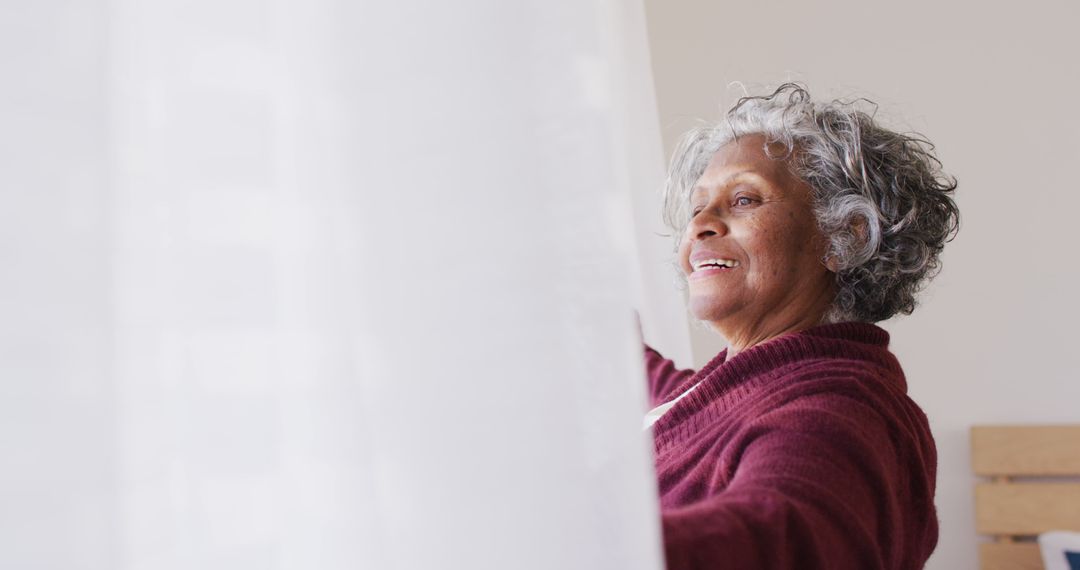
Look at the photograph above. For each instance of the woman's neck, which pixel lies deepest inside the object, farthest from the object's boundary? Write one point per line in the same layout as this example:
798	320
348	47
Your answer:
747	337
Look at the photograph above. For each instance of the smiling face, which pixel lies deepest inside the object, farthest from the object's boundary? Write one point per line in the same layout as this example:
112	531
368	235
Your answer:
752	251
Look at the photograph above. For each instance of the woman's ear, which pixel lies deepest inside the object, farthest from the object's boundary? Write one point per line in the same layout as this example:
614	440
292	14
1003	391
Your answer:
855	240
831	263
828	259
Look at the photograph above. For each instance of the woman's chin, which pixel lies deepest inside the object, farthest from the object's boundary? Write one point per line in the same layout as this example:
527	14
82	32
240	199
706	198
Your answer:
709	310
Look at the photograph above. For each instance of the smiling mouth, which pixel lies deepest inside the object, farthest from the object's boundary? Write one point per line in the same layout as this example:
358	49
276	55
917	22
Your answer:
715	264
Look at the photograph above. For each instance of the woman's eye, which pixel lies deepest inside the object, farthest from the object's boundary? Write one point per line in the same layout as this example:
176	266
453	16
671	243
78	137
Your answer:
744	201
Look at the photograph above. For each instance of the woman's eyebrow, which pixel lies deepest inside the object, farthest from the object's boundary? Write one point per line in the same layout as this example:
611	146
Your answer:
727	181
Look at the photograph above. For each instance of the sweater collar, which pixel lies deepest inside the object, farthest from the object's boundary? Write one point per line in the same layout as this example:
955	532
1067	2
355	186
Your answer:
721	378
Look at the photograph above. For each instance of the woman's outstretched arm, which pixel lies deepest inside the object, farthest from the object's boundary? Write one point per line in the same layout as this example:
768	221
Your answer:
663	376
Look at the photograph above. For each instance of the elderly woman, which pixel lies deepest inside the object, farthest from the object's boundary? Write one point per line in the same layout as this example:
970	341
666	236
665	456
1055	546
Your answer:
799	225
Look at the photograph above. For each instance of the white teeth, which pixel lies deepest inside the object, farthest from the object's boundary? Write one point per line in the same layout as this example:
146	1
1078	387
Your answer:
705	263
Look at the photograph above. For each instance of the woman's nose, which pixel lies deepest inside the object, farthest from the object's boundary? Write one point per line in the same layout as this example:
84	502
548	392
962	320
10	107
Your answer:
706	224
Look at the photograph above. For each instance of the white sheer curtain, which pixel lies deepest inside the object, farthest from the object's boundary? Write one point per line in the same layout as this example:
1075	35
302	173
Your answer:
313	284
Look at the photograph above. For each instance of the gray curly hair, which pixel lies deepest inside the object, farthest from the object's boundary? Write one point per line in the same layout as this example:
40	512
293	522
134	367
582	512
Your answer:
880	197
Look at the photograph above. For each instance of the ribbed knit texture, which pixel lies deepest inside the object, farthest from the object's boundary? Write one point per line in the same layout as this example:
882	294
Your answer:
801	452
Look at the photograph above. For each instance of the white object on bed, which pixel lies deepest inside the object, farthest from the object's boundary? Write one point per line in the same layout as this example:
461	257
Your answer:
1054	544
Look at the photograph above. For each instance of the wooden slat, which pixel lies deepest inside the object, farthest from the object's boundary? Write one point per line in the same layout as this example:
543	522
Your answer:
1018	556
1025	450
1026	508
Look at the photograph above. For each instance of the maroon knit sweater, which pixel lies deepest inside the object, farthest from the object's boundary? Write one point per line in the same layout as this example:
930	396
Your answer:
802	452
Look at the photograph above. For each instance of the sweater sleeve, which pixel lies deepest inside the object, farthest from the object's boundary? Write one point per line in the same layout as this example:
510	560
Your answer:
825	481
662	375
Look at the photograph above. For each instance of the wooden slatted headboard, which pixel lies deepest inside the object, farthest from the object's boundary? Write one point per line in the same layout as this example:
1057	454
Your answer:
1013	511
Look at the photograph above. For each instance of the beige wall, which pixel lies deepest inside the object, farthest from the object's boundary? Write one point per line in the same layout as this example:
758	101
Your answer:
995	87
